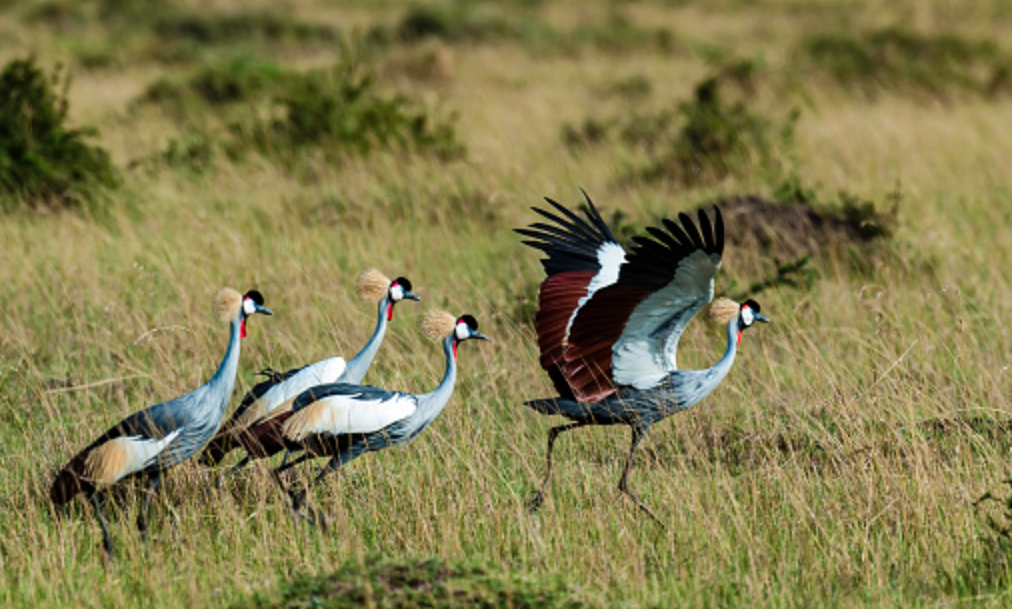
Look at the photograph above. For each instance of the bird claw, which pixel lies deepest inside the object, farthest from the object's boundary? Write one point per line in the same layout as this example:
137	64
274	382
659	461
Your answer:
644	507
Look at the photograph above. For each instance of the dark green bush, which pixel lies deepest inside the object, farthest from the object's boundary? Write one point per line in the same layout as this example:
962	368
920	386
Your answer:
701	140
715	139
455	22
895	58
239	80
473	22
411	583
243	27
343	112
43	163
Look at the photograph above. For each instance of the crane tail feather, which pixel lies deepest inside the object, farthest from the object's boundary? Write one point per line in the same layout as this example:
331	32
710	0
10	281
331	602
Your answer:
561	406
69	482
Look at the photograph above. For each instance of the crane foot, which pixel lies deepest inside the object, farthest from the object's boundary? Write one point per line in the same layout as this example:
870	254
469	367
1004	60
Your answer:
644	507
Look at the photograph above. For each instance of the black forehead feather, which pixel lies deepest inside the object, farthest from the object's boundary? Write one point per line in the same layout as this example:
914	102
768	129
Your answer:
404	282
752	305
470	321
255	296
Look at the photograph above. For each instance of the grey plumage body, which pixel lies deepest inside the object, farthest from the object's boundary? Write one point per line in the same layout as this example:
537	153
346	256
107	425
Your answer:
344	421
641	408
159	437
256	424
609	321
345	447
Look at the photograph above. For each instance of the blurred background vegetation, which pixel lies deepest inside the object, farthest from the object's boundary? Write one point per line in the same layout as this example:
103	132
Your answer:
152	151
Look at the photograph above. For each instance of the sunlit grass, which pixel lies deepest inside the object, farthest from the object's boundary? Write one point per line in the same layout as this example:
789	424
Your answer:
809	478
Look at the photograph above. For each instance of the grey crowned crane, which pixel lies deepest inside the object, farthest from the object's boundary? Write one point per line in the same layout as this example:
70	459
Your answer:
343	421
256	424
609	322
151	441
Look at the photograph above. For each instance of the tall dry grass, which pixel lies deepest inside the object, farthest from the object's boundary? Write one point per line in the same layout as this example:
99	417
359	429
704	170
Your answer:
811	477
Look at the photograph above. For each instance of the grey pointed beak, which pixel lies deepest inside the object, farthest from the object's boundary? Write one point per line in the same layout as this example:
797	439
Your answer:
264	310
411	296
759	317
479	336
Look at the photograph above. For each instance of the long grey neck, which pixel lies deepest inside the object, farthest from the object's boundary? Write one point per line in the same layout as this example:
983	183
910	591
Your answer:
359	365
431	404
223	382
732	347
691	386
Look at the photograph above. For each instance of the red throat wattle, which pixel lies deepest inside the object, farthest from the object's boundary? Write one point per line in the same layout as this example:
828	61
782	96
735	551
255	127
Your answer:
242	328
739	337
390	312
455	343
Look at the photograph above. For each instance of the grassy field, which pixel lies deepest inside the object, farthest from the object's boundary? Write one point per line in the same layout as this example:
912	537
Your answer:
837	465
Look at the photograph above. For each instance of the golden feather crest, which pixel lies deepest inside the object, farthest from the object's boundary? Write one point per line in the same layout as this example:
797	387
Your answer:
723	310
372	285
437	325
227	304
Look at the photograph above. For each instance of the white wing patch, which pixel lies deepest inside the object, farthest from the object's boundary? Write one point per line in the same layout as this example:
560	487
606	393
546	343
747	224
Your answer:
642	356
320	373
347	414
611	257
125	455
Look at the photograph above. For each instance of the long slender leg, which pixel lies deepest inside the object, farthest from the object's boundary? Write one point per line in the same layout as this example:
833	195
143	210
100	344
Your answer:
316	516
219	480
296	497
538	499
106	537
154	480
638	433
284	464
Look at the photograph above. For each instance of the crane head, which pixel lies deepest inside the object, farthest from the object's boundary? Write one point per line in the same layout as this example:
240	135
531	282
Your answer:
252	304
466	328
750	314
400	289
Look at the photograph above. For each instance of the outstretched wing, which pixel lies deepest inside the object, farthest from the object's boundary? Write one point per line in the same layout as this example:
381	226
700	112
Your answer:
627	333
582	257
341	409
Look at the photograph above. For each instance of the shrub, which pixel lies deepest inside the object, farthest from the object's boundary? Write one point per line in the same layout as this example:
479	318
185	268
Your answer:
241	27
716	138
701	140
42	161
894	58
433	583
342	112
239	80
454	22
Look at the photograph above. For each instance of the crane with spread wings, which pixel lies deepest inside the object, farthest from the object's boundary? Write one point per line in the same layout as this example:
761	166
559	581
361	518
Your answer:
609	321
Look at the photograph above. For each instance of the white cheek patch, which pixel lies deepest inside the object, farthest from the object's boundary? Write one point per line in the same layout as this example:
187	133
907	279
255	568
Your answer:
747	316
248	306
462	331
396	293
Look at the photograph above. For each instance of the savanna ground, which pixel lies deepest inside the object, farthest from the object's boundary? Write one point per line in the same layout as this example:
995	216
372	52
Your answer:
837	465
